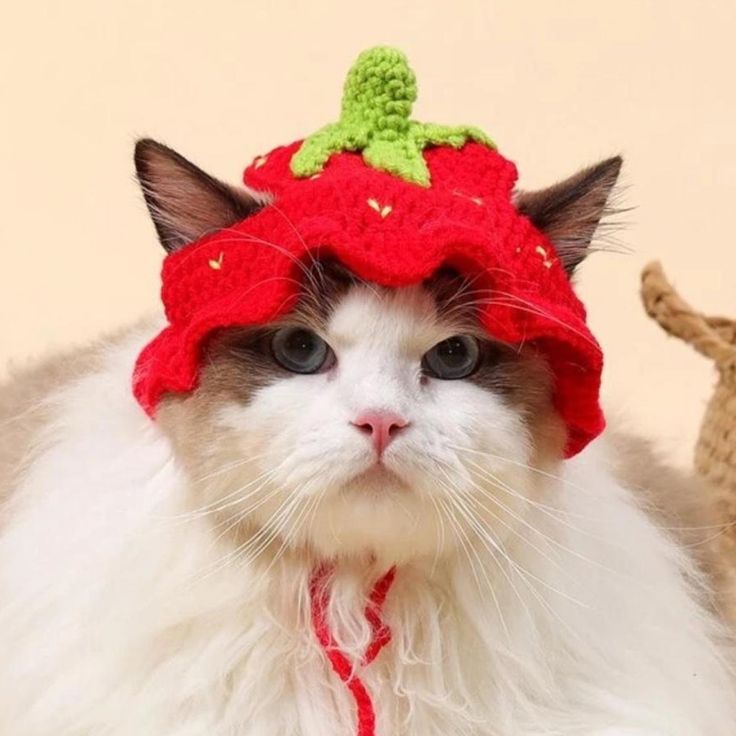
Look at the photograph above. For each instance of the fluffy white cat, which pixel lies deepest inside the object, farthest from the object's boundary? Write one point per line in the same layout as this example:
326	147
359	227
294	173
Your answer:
155	576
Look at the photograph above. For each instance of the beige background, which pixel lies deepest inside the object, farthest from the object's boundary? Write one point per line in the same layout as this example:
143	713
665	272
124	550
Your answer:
557	84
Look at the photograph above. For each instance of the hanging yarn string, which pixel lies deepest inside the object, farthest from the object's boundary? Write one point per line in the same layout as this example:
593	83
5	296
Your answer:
341	664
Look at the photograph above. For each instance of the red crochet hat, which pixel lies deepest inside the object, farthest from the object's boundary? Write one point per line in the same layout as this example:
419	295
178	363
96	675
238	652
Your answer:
393	200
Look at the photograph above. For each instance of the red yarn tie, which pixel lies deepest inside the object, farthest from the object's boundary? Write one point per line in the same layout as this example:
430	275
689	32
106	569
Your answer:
380	636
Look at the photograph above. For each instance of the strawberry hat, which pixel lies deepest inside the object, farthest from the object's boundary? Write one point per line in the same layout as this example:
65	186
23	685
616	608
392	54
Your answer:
393	200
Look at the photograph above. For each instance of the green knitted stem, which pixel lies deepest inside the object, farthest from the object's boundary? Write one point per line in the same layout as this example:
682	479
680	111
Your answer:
380	90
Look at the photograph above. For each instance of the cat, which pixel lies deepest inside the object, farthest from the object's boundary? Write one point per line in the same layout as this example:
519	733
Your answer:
157	577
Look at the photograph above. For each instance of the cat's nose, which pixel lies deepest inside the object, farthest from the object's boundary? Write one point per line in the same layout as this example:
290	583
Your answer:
381	426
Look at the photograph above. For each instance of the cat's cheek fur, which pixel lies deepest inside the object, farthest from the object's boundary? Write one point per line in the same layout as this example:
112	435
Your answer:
463	453
444	459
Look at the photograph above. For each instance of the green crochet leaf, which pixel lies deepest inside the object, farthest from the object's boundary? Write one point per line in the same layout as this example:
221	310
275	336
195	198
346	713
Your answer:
379	93
400	157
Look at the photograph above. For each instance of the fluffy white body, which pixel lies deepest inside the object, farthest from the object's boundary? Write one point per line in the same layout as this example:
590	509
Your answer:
123	610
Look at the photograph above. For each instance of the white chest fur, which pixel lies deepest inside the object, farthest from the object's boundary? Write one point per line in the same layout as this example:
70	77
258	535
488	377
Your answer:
135	620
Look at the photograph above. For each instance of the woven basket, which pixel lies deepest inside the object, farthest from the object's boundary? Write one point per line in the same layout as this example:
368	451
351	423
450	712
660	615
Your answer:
715	452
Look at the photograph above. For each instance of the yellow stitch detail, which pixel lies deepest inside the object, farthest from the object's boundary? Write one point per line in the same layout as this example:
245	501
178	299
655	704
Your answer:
545	260
383	210
217	264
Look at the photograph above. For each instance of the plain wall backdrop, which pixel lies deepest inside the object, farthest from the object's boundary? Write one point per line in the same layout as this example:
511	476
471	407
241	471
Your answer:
557	84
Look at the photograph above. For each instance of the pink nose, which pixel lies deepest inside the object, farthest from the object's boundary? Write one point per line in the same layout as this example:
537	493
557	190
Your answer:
382	426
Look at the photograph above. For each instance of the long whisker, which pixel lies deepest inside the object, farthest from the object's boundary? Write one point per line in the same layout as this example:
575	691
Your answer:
555	513
442	542
241	554
454	500
462	537
525	466
229	466
302	512
276	526
224	502
273	206
724	527
493	544
499	484
241	237
514	531
508	299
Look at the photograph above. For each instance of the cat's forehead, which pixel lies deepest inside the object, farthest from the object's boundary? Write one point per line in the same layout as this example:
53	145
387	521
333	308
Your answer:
365	314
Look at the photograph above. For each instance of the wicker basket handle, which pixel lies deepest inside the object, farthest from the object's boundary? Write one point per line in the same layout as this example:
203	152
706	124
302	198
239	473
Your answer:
710	336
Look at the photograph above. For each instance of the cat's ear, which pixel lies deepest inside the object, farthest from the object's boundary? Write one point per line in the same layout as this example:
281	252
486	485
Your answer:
185	202
569	212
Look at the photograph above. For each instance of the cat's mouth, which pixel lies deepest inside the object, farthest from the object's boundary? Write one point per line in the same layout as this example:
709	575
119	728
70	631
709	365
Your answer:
378	480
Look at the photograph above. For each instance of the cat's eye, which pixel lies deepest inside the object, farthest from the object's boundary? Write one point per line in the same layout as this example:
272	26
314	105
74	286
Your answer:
300	350
452	359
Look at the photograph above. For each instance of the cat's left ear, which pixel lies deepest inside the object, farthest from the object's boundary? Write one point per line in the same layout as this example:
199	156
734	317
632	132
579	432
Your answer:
186	203
569	212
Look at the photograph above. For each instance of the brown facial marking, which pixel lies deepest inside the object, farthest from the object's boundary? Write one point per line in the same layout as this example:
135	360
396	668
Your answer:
237	361
519	374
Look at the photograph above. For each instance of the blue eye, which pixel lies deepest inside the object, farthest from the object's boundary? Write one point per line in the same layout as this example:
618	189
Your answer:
300	350
452	359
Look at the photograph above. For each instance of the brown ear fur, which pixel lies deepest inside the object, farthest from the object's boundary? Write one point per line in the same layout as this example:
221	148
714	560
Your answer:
570	212
185	202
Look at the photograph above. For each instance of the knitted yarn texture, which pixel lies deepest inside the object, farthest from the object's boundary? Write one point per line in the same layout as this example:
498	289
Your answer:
715	451
380	91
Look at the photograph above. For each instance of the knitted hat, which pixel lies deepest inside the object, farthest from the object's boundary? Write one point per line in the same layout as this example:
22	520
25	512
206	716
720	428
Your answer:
393	200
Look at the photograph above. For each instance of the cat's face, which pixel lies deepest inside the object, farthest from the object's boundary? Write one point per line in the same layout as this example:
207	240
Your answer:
369	422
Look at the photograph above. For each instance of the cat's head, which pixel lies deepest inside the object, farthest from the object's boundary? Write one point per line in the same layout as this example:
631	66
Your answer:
368	421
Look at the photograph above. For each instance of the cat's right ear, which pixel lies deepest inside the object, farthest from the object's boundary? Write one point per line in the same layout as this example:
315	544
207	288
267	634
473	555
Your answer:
186	203
570	212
